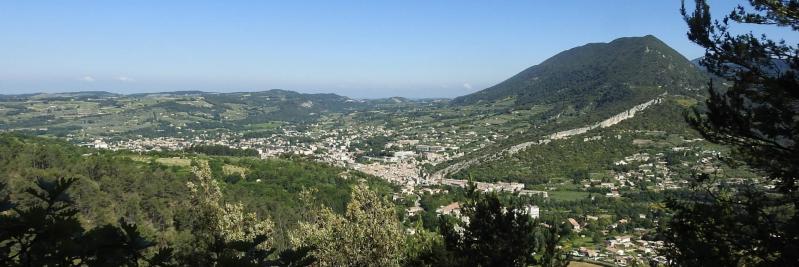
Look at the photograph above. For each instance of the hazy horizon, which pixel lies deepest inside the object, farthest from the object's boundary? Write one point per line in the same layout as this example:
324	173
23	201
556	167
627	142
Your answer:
359	50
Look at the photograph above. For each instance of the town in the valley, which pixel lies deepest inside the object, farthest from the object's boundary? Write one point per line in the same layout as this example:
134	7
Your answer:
409	154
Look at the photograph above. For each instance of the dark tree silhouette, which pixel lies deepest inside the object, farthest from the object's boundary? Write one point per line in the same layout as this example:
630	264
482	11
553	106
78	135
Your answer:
490	233
754	108
49	233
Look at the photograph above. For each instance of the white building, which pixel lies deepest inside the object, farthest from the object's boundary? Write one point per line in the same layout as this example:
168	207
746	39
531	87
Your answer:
100	144
533	211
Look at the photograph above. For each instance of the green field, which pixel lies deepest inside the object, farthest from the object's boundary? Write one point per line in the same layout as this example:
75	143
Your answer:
568	195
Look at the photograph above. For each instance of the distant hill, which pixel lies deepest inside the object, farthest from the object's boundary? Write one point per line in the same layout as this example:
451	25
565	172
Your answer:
165	113
285	105
596	76
773	66
69	95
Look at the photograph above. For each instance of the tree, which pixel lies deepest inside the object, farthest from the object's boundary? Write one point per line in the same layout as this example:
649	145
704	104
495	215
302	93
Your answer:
367	234
49	233
758	116
492	234
425	248
224	234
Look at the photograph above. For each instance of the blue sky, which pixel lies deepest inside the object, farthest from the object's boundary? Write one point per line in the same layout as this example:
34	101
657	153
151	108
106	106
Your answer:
360	49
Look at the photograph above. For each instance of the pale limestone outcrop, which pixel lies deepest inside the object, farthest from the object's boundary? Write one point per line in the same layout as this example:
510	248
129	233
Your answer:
613	120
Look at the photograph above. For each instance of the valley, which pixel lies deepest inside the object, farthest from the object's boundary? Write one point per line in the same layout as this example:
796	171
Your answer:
594	138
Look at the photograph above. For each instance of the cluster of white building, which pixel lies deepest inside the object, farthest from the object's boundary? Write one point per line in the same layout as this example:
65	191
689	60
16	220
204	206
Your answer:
494	187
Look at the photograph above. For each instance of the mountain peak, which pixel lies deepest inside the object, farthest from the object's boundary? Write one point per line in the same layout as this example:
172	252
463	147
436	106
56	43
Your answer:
597	73
646	40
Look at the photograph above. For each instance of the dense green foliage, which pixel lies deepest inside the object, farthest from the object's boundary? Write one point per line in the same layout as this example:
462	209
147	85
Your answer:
580	87
751	223
598	76
493	233
220	150
663	124
272	187
150	193
109	186
367	234
199	225
48	233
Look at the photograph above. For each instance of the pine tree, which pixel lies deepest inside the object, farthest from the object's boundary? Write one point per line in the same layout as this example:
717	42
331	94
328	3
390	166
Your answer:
754	108
48	233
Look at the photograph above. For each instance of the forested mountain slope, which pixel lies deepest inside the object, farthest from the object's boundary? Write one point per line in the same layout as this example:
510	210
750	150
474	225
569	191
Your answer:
657	129
585	90
598	76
